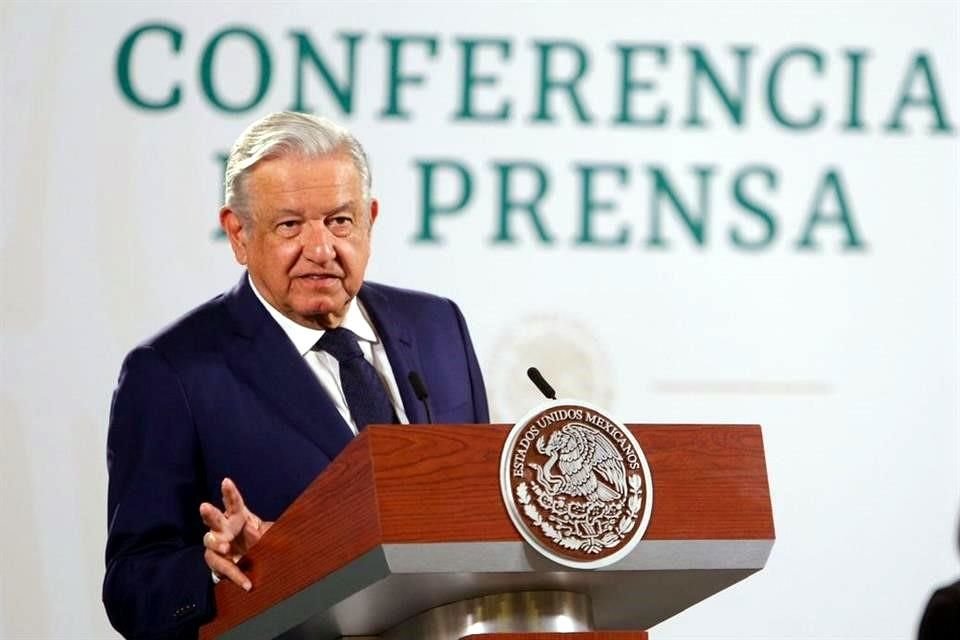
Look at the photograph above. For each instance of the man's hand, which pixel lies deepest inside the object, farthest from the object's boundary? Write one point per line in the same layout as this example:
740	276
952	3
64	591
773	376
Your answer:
232	533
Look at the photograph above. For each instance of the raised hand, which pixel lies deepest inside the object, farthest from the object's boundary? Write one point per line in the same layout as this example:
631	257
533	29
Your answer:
232	532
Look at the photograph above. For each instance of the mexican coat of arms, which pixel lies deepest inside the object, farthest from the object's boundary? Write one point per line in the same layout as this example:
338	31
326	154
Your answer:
576	484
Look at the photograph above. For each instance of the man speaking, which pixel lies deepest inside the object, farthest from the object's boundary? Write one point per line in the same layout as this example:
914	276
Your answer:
225	417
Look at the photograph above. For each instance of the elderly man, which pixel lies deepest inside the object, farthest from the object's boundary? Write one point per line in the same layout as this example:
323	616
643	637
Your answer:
257	390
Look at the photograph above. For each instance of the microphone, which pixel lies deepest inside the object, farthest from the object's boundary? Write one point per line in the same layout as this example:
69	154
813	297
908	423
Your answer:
420	390
534	374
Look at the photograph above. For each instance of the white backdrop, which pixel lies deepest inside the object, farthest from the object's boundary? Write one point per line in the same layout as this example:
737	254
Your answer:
848	357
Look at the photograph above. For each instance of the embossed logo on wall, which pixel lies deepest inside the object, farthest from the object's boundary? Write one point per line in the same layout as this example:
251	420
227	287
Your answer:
576	484
566	348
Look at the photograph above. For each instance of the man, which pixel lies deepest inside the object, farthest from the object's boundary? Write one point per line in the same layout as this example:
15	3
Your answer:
257	390
941	616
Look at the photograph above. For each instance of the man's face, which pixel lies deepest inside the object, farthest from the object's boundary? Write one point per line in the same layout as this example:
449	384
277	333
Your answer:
307	242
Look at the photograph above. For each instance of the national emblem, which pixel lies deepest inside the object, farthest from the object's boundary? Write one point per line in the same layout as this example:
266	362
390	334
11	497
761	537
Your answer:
576	484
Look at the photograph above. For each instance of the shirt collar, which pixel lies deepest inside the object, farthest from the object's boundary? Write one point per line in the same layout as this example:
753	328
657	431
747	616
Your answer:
303	338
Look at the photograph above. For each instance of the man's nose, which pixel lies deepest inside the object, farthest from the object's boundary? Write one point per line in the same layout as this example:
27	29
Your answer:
318	243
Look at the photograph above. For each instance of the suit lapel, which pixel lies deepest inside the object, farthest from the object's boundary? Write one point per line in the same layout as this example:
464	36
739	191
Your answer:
399	345
263	356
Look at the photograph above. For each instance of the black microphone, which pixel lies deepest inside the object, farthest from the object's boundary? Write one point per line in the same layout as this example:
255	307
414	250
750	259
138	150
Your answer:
542	384
421	390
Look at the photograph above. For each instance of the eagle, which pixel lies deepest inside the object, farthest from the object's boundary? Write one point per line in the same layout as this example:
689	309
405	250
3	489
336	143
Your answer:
590	466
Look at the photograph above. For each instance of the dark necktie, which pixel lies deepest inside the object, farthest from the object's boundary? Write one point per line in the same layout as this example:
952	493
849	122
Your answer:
366	396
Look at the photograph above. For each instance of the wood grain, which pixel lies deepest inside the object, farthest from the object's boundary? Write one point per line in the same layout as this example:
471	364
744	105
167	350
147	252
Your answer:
397	484
710	483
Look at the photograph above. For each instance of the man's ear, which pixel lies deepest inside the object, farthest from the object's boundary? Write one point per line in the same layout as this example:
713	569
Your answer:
233	226
374	210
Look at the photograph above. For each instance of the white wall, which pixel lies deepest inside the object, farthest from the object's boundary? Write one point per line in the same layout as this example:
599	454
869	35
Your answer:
848	357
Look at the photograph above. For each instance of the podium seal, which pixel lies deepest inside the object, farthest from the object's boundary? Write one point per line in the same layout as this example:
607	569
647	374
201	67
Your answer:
576	484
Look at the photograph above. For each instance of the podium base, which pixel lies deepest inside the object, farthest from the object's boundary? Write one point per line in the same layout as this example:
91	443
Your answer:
524	613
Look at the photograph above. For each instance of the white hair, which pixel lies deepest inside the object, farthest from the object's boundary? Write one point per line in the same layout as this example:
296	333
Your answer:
287	133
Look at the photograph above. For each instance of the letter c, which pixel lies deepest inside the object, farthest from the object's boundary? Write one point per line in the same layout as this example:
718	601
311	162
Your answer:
123	67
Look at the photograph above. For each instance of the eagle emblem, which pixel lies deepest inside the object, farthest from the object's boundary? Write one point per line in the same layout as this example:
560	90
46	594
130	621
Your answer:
576	484
589	465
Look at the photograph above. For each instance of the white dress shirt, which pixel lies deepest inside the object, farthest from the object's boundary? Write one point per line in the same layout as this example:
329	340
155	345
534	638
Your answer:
326	367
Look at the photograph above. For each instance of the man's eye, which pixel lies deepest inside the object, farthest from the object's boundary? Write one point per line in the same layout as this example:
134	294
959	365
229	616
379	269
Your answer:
340	226
288	227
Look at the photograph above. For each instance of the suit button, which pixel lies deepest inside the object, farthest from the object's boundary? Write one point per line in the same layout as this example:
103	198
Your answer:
182	611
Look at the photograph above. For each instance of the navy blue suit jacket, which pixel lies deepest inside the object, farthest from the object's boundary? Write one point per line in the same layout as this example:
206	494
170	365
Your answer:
223	393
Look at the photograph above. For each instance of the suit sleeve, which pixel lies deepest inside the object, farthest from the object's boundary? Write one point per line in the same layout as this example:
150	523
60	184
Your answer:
481	413
157	584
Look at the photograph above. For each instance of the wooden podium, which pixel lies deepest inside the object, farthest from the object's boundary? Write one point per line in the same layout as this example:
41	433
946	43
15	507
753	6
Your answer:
406	533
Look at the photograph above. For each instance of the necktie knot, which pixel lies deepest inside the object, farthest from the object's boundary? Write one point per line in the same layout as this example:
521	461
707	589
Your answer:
340	343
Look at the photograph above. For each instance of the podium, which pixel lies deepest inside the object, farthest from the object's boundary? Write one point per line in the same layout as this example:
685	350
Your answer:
405	535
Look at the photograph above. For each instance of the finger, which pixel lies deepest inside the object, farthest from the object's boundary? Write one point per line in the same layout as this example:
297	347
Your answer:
227	569
254	529
254	523
213	517
216	543
232	500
